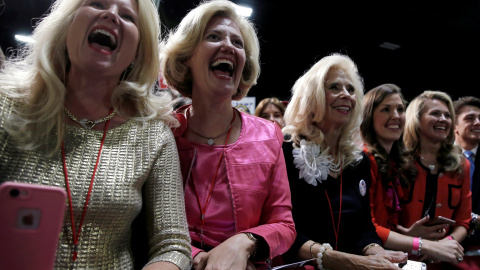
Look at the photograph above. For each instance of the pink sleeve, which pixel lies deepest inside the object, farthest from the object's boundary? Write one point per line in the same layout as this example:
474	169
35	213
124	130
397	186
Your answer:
277	228
195	251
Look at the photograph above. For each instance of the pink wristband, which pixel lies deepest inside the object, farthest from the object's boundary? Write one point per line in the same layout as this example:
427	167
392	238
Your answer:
450	237
416	246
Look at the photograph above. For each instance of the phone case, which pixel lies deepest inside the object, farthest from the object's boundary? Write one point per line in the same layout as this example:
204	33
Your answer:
440	220
413	265
31	218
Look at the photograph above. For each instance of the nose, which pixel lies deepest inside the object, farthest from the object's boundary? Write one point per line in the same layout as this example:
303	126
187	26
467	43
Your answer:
227	46
111	14
442	117
395	114
476	121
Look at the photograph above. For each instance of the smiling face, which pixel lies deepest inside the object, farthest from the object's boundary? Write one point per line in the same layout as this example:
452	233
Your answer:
273	113
218	61
340	99
389	120
104	36
435	121
467	128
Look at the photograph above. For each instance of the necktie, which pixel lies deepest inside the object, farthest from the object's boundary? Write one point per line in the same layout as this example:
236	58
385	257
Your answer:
469	155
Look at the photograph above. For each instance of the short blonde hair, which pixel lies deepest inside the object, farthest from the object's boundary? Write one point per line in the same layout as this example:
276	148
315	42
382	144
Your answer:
307	106
449	155
36	78
183	41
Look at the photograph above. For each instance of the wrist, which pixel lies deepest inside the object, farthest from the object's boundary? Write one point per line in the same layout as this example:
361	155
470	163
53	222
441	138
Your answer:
253	249
417	246
369	246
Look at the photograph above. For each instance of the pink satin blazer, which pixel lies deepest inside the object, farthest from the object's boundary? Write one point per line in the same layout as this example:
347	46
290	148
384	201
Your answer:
257	179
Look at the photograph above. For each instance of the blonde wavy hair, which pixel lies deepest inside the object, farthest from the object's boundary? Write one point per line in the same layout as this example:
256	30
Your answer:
35	78
183	41
449	156
307	107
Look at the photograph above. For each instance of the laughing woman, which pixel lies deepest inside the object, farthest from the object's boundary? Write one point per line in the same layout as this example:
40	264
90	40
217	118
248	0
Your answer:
78	113
236	188
442	184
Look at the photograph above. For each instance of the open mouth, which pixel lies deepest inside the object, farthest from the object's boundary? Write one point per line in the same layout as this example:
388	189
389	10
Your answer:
343	108
223	67
393	126
440	128
104	38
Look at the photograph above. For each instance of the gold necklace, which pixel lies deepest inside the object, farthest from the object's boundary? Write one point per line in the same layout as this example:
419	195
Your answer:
89	124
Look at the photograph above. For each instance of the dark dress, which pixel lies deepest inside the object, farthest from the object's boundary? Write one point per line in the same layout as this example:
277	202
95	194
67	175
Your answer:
312	214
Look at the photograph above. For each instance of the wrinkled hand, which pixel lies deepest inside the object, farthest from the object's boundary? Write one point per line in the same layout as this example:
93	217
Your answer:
385	261
233	254
428	232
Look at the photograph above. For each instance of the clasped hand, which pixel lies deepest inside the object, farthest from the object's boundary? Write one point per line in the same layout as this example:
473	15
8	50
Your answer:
233	254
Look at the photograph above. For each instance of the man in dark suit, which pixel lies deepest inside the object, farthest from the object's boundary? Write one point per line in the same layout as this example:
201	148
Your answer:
467	136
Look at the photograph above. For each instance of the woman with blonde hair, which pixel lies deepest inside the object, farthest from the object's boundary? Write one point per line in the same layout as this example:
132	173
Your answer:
381	129
77	111
442	185
271	109
236	188
329	174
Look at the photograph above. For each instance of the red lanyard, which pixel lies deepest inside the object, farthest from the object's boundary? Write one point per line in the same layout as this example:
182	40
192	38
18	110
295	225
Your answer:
76	236
203	209
339	212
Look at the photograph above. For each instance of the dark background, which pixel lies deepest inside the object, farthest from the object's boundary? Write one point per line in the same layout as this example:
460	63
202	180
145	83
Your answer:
439	40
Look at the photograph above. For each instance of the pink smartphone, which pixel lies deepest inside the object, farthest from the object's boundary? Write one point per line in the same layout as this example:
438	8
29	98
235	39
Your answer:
31	218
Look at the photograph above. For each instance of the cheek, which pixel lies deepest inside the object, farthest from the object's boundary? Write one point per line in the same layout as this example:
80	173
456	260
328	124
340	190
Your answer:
135	37
241	61
402	121
378	123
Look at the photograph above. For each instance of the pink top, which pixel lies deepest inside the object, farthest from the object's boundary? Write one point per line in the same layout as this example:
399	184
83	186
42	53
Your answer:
219	220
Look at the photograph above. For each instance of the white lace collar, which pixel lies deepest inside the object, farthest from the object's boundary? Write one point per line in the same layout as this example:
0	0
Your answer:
312	164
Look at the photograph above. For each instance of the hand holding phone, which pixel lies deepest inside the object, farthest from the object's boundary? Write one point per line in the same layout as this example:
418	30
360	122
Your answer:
440	220
412	265
31	218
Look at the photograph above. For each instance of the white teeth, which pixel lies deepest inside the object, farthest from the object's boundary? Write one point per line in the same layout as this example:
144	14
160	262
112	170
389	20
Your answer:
442	128
105	32
222	61
393	126
343	108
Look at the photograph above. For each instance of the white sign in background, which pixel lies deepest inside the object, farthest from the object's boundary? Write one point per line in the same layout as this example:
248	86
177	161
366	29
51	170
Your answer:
246	103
